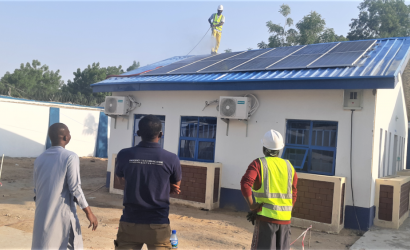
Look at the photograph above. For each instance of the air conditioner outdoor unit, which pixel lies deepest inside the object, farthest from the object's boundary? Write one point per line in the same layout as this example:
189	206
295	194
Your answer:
232	107
116	105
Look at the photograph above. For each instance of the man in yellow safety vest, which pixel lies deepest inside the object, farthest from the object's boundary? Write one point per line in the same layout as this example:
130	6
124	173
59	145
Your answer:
272	181
216	21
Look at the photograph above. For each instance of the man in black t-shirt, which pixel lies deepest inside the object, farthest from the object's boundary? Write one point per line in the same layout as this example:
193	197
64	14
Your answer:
151	174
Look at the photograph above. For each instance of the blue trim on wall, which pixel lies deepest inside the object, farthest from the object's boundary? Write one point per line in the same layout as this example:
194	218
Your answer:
102	143
107	180
54	117
365	217
233	199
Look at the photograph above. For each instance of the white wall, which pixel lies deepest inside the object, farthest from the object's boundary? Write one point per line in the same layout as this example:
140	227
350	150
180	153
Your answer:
391	116
236	151
23	129
83	126
24	126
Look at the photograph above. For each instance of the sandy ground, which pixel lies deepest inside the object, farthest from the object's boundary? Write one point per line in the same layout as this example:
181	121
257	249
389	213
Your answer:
196	229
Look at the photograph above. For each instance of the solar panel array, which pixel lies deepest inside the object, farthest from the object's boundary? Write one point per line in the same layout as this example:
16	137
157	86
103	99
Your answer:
296	57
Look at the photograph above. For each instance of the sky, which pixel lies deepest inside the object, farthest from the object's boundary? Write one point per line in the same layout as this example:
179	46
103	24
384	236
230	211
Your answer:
68	35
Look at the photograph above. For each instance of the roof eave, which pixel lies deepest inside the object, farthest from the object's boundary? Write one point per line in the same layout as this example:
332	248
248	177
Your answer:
387	82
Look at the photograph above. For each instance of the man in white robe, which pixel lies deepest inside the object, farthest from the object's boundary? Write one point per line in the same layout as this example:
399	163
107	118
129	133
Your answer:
57	189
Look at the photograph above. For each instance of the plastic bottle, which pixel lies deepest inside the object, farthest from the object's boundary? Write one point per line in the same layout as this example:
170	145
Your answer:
174	239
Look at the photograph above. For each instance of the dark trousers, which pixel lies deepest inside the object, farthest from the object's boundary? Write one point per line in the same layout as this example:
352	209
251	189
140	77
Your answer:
133	236
270	236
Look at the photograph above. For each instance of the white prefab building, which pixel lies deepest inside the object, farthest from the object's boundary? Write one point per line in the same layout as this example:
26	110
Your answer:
24	125
343	124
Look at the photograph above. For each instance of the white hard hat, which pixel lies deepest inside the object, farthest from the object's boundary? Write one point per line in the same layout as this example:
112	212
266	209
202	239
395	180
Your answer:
273	140
220	7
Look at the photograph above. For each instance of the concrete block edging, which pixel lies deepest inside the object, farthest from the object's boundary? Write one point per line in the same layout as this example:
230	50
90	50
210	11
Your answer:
396	181
335	226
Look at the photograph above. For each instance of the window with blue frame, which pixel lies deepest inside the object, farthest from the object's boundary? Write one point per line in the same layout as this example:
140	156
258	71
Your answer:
311	146
197	138
137	139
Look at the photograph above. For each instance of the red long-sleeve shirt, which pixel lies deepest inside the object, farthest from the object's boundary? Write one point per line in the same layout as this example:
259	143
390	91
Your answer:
252	178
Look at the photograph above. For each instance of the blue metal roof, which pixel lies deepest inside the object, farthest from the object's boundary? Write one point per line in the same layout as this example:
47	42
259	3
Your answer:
377	71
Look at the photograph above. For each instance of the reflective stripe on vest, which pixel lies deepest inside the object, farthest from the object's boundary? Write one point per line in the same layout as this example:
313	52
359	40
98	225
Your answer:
275	192
278	208
217	21
266	193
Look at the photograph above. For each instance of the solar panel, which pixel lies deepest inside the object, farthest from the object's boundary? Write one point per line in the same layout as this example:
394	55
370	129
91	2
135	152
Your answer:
176	65
337	60
267	59
295	62
193	68
257	64
343	55
302	56
281	51
233	62
315	49
252	54
224	56
224	65
352	46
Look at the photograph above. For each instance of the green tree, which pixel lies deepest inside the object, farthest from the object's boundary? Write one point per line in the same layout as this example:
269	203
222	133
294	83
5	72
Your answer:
228	51
379	19
31	79
80	87
329	35
135	65
280	34
311	29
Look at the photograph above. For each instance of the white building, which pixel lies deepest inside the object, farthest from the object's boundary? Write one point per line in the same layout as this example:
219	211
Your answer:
311	107
24	125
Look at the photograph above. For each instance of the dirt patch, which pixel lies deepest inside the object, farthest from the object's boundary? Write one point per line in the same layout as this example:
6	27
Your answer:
196	229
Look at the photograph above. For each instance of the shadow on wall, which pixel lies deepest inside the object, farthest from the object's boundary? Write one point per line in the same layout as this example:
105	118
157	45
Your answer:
90	125
393	160
14	145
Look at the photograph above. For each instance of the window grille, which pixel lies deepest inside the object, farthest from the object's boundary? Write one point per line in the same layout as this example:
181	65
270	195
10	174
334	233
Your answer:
311	146
197	138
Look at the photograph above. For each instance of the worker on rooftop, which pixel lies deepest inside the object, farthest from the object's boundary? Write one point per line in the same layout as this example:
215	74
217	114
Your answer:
151	174
57	189
216	21
273	182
